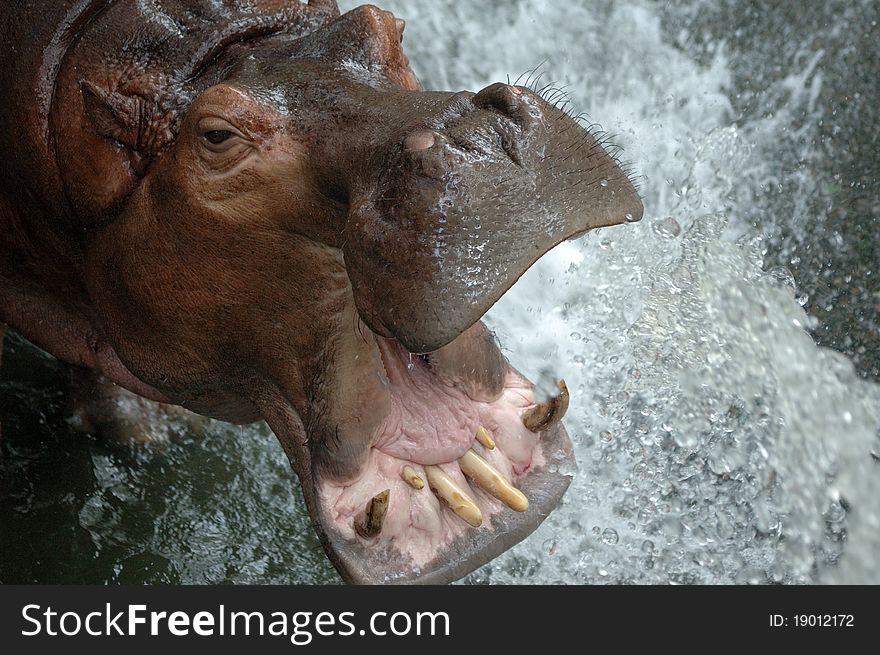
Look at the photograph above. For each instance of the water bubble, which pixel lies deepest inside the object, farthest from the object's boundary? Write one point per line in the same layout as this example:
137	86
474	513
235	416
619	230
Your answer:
724	527
672	529
836	513
687	439
782	276
646	515
777	573
610	536
666	228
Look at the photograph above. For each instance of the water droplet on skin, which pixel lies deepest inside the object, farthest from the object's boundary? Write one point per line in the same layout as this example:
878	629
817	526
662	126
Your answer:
629	218
610	536
603	183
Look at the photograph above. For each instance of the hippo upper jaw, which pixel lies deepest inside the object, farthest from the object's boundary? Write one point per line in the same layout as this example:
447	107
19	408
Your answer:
468	198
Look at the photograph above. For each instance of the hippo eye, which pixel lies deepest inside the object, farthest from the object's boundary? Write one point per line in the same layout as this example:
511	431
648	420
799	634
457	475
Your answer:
216	137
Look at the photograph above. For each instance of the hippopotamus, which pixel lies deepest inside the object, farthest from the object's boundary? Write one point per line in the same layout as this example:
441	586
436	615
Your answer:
255	211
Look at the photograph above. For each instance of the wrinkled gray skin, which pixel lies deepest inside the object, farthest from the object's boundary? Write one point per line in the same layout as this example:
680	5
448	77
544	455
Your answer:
247	210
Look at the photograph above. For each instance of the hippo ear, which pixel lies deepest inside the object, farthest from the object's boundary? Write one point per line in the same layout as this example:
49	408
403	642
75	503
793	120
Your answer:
114	115
327	6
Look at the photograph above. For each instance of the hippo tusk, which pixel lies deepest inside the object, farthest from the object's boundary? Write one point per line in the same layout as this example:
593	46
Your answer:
490	479
447	490
369	524
485	439
548	413
412	478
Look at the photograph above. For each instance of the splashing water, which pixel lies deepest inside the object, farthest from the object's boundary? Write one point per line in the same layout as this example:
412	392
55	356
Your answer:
716	442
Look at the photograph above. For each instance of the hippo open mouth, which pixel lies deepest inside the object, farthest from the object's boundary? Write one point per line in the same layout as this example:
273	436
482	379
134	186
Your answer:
255	211
463	465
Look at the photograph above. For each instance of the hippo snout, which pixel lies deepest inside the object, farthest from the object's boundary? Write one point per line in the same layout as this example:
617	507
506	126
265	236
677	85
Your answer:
472	192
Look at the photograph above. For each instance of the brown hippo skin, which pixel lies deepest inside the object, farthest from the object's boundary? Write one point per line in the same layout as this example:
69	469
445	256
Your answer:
253	210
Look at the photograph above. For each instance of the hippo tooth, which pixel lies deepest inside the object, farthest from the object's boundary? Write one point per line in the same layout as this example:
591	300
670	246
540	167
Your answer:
446	489
549	412
370	524
490	479
412	478
485	439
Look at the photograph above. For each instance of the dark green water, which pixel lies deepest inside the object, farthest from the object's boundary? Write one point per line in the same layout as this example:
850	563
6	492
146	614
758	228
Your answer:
74	510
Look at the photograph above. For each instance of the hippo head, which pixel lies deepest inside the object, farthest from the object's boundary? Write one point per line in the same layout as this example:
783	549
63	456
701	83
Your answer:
294	230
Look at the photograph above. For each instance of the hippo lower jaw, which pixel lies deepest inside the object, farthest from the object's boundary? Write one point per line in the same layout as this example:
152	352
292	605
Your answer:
452	476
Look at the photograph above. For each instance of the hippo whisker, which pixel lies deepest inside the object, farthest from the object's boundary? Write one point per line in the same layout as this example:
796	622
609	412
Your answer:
529	73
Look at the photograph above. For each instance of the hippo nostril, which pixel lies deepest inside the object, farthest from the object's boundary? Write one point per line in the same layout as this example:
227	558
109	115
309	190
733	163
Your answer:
505	98
417	141
401	25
